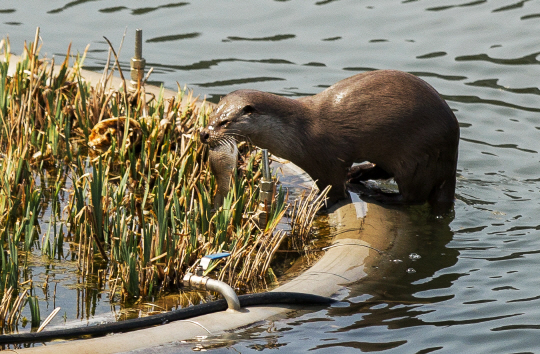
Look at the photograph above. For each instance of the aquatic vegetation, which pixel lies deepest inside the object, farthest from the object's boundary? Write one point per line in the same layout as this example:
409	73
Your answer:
118	183
10	308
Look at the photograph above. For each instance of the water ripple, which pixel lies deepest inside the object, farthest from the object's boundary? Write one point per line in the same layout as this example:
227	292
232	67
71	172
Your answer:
207	64
277	37
448	7
112	9
145	10
525	299
528	17
473	320
174	37
140	11
514	327
478	100
240	81
469	230
515	228
324	2
362	346
332	39
493	84
511	7
432	55
68	5
471	200
440	76
476	302
524	60
504	146
514	255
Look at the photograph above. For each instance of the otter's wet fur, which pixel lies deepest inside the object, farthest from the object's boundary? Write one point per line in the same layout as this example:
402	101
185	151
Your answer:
392	119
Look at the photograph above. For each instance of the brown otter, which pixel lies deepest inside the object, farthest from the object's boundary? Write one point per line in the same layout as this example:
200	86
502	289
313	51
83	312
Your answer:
392	119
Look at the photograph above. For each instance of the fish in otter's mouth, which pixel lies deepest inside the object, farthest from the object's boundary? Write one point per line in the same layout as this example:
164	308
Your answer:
223	159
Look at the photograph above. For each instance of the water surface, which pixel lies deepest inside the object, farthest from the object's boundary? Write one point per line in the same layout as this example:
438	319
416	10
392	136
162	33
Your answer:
475	288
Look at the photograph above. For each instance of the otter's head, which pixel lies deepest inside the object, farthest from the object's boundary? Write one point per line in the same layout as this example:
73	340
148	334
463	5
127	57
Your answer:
235	115
266	120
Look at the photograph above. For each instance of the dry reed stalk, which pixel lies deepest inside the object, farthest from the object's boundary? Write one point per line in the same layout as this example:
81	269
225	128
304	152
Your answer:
252	261
10	312
16	312
231	265
112	290
4	306
48	319
304	211
80	254
278	239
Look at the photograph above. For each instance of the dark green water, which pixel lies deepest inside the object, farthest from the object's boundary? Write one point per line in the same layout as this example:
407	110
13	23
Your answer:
476	286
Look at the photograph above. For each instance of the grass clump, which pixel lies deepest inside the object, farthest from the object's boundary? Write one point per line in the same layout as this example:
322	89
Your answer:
134	209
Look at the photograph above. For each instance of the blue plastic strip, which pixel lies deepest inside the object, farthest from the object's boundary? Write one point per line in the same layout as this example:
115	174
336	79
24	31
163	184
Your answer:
217	255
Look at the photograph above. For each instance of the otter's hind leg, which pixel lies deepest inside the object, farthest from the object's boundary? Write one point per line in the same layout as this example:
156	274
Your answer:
366	171
442	196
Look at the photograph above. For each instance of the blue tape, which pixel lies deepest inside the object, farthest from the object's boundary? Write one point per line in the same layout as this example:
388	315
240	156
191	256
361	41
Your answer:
217	255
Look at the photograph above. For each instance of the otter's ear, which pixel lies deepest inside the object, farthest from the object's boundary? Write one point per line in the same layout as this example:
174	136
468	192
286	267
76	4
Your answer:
248	110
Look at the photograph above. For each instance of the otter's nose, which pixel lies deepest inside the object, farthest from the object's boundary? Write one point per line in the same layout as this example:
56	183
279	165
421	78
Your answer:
205	135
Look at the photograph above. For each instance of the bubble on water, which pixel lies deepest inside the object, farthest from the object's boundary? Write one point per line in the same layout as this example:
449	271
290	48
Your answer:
411	270
397	260
414	256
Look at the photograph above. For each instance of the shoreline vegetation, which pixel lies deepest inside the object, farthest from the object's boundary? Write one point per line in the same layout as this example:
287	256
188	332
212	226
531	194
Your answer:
118	184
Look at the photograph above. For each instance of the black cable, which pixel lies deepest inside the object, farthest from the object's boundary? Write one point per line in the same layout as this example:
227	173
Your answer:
268	298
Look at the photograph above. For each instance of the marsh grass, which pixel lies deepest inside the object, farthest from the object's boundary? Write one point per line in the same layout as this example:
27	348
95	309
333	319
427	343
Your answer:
135	213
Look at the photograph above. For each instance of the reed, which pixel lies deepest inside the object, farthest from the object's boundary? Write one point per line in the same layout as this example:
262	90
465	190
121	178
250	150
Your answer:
10	308
138	187
35	315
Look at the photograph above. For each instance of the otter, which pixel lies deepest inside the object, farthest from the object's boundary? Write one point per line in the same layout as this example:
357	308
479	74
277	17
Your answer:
391	119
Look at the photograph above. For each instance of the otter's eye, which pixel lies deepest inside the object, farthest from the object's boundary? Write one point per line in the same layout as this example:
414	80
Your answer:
248	109
223	123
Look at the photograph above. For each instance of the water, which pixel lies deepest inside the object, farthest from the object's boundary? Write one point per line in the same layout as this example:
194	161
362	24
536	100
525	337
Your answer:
475	286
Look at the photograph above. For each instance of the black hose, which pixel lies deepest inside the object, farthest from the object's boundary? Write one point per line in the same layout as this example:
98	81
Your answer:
268	298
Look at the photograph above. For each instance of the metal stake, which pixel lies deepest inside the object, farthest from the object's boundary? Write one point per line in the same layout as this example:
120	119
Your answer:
138	63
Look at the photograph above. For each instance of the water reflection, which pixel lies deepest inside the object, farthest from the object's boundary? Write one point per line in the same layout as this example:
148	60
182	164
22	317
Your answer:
386	300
